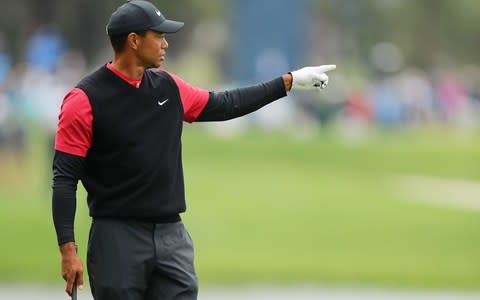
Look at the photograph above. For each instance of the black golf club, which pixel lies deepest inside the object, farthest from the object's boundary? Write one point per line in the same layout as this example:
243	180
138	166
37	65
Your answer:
74	289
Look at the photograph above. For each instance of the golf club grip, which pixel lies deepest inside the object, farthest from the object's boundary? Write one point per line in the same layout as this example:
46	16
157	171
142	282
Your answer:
74	289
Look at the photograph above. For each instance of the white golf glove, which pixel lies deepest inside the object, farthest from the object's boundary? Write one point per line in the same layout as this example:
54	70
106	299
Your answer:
311	78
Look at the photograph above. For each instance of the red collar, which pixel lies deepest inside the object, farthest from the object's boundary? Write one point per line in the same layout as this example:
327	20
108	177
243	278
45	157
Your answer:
136	83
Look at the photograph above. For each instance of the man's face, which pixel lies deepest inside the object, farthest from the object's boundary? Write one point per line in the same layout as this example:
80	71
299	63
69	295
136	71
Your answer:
152	49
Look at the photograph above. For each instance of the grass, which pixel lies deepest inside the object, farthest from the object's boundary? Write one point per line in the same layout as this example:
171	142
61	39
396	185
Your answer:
266	207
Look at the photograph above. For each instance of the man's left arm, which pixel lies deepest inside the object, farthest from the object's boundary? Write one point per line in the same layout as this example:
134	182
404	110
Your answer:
227	105
222	106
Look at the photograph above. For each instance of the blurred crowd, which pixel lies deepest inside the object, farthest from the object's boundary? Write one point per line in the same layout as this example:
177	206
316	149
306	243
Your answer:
391	96
405	98
31	91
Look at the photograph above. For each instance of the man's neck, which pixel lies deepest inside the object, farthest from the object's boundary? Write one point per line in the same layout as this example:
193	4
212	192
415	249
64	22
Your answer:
128	67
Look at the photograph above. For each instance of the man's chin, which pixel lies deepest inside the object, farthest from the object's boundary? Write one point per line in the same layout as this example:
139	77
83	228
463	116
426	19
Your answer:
154	65
160	63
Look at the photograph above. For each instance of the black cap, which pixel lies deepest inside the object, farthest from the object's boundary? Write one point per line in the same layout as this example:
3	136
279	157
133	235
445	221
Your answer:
139	15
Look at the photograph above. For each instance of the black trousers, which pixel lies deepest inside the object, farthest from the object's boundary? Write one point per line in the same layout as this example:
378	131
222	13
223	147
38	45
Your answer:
130	260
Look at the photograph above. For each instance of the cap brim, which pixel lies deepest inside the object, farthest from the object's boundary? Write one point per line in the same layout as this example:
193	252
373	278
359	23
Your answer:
168	26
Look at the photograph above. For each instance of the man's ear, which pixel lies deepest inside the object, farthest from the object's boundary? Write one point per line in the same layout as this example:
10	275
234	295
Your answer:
133	40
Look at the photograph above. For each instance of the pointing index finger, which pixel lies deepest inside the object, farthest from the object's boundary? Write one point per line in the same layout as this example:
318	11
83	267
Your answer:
326	68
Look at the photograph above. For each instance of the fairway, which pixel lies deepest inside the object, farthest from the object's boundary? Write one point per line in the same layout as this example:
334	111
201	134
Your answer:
271	208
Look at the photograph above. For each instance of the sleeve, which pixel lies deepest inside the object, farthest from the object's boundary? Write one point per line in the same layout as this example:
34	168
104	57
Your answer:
67	170
235	103
74	130
193	99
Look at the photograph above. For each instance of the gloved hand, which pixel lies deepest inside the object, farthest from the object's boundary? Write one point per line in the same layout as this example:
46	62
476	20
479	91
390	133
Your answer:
311	78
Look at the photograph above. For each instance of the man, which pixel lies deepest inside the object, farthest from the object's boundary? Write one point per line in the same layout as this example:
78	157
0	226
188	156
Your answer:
119	132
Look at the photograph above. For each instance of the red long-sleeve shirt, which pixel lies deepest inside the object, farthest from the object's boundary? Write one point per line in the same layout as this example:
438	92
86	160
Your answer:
74	130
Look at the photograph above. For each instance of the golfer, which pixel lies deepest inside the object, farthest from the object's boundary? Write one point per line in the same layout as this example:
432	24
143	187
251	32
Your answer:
119	132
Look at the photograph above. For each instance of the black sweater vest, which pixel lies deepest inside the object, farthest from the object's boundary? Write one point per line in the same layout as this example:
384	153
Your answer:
134	166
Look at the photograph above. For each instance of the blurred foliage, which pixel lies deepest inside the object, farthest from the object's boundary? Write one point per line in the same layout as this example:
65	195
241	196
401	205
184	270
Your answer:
427	31
82	22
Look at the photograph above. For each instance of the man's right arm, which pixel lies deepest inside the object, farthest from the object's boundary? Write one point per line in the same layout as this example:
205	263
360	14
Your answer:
67	170
72	142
